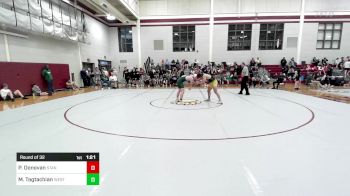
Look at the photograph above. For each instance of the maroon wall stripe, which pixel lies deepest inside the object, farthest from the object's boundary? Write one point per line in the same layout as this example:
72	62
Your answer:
256	18
327	17
156	25
174	20
262	22
324	21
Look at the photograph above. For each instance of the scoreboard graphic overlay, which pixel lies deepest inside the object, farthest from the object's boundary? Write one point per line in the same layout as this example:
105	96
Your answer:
58	169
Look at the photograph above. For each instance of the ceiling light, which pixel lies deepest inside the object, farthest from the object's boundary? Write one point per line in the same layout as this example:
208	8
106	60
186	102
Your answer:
110	17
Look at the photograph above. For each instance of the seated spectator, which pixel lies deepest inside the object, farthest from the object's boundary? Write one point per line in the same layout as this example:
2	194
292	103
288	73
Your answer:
37	91
346	68
337	61
71	85
97	77
315	84
255	80
258	62
265	79
292	63
324	61
113	80
6	93
290	73
315	61
280	79
252	62
147	81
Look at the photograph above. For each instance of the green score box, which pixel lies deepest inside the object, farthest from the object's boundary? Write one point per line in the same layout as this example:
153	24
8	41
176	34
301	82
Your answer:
92	179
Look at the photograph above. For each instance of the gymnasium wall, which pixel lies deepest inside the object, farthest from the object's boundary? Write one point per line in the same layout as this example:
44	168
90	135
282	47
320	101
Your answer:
22	75
149	34
326	5
309	43
98	45
252	6
2	48
220	52
42	49
202	7
241	11
119	58
174	7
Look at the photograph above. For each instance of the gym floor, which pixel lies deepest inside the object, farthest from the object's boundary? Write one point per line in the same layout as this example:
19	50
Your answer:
273	142
339	94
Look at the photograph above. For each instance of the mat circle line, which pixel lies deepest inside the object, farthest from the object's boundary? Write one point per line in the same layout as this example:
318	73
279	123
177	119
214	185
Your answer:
195	139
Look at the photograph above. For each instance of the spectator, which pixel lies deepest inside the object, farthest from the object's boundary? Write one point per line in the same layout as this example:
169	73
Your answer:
113	80
47	74
97	77
337	62
297	79
85	77
252	62
292	63
6	93
71	85
291	72
91	77
283	62
126	76
279	80
196	62
315	61
324	61
346	68
258	62
37	91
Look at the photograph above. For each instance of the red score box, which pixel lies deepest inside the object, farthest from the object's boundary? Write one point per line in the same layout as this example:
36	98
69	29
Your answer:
93	167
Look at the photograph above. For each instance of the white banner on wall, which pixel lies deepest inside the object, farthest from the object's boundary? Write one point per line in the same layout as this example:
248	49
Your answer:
46	9
58	30
21	4
7	17
48	26
37	24
34	7
6	2
23	21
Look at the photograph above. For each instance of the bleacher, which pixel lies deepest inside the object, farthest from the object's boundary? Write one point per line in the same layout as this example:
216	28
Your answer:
276	69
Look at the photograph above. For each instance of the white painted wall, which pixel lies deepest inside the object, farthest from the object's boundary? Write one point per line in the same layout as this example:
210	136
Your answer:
174	7
98	45
149	34
326	5
116	56
41	49
192	7
221	54
253	6
2	48
309	44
